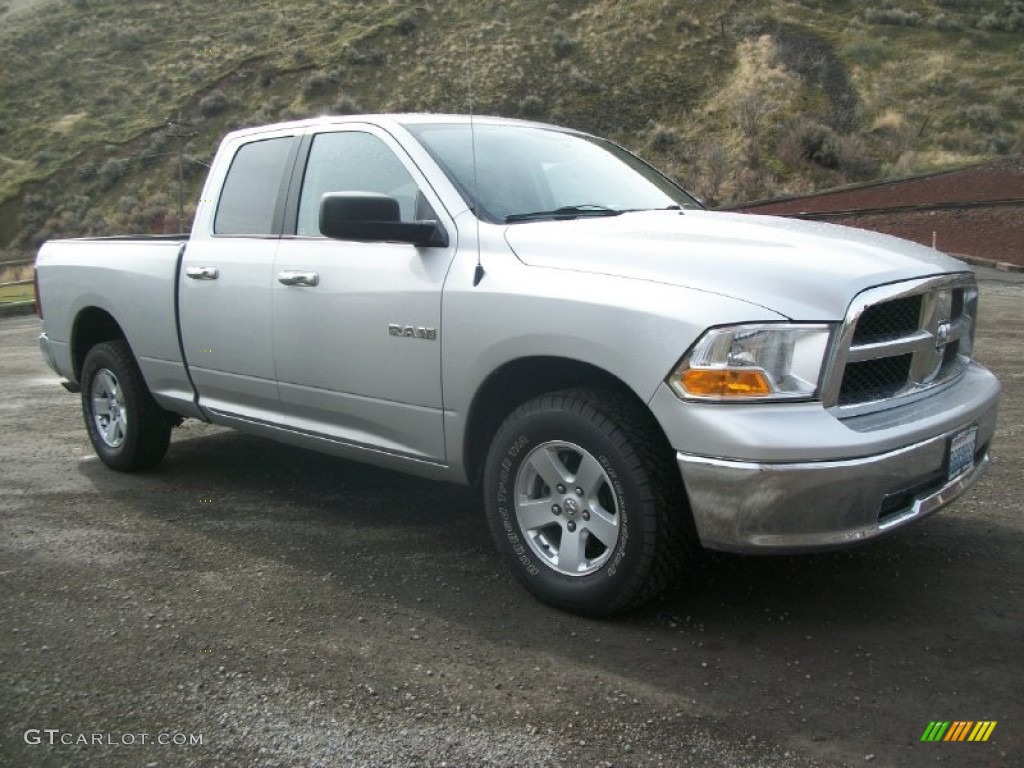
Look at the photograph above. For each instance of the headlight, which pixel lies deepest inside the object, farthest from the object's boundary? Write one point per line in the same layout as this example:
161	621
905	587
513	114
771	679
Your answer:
753	362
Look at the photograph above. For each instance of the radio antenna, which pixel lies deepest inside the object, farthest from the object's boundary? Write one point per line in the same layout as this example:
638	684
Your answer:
478	273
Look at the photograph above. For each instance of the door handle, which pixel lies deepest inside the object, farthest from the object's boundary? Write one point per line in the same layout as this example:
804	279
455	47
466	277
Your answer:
292	277
202	273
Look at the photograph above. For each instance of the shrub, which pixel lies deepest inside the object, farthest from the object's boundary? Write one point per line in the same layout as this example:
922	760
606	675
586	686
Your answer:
579	81
1000	144
127	204
317	84
346	105
213	103
868	52
1010	99
407	25
246	36
896	17
1009	19
985	117
353	55
945	22
663	139
129	39
855	159
531	106
266	74
819	144
563	45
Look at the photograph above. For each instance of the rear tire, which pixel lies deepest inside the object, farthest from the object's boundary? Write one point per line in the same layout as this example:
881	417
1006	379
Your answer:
584	502
128	430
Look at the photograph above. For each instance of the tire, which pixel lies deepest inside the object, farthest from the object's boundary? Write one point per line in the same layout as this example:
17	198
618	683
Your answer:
585	503
128	430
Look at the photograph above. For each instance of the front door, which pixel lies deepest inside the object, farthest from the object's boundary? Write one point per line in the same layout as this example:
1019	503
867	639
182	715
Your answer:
357	326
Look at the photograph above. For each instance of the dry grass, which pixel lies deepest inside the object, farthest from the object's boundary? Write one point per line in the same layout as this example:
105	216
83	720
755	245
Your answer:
12	293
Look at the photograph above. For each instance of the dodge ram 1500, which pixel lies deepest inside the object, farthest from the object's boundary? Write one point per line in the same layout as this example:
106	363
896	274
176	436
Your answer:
537	311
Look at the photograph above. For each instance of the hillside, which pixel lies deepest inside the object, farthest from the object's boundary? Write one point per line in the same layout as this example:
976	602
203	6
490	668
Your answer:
739	100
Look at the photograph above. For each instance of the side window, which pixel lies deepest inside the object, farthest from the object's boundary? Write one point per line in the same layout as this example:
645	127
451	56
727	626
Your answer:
352	161
248	199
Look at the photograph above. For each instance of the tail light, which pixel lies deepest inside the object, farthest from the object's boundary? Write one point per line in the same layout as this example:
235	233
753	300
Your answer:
35	290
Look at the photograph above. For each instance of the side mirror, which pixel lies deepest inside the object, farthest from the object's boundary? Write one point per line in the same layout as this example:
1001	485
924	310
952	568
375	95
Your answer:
370	217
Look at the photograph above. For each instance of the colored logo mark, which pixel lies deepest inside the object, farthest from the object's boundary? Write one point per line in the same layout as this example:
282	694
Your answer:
959	730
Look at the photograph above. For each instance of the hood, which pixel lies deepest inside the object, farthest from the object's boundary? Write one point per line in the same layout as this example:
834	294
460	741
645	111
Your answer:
803	270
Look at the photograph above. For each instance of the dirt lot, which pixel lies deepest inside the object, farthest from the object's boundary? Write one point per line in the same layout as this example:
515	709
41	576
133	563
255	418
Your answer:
288	609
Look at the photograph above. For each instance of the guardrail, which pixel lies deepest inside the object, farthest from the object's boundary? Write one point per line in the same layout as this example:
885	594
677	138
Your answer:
922	207
15	269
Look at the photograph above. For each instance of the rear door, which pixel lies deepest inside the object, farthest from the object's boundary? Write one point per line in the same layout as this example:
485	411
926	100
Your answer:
226	282
357	326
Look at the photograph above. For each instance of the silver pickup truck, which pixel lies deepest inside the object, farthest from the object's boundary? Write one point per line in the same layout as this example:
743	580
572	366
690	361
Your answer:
537	311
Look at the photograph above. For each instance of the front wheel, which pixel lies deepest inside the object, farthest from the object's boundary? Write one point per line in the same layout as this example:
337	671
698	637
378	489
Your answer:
584	501
128	430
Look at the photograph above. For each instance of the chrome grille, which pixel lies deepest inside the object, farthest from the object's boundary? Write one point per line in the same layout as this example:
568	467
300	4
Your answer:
888	320
874	379
902	340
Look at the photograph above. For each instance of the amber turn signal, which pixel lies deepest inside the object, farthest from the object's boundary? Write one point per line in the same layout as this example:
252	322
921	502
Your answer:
701	382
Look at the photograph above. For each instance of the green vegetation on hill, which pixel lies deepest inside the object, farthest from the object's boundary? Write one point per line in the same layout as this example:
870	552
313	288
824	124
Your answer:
738	100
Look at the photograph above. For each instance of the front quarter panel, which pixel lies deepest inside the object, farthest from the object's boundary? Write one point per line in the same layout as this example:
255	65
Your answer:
635	330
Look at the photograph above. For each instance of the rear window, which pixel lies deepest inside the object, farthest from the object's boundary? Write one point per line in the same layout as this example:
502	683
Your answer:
248	200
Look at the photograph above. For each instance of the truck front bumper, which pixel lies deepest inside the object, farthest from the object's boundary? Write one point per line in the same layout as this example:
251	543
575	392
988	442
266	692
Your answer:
831	499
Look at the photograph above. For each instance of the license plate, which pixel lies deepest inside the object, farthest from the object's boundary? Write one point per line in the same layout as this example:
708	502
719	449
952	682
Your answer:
961	452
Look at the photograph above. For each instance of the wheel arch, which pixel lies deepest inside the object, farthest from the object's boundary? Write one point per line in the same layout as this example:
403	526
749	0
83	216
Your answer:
520	380
92	326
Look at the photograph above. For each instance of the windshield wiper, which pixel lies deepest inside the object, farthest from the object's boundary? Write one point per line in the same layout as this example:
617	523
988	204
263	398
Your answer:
565	212
665	208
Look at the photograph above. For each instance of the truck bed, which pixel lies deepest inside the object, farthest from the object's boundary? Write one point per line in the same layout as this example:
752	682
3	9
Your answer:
134	279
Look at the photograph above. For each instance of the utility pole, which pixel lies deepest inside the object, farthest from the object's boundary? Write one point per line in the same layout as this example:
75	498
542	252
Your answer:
177	129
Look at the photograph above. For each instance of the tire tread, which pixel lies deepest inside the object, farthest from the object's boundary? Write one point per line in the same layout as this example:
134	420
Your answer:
664	512
145	449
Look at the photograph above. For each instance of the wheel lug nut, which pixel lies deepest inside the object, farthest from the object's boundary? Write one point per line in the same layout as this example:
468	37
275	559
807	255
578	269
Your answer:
560	488
586	514
556	509
579	491
571	526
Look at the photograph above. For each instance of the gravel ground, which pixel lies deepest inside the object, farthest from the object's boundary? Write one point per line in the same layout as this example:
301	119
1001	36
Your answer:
289	609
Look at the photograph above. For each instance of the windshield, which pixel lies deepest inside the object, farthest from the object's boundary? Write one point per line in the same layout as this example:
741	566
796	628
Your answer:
527	173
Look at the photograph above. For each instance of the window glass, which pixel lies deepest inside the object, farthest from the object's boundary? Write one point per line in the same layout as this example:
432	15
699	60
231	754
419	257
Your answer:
352	161
517	170
249	197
